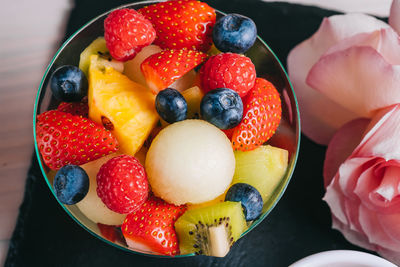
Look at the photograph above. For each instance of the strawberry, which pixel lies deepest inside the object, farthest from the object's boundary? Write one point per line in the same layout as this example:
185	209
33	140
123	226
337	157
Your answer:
126	32
182	24
228	70
229	133
162	69
108	232
261	116
122	184
284	138
75	108
152	227
64	139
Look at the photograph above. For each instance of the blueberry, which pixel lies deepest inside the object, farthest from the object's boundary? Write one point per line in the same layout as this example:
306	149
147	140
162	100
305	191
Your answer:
234	33
71	184
249	197
171	105
222	107
68	83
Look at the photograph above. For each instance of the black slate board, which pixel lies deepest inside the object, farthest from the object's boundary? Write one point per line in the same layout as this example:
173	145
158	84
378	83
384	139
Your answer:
298	226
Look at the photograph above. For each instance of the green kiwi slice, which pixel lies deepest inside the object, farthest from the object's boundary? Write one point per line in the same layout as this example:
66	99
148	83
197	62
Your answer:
210	230
98	47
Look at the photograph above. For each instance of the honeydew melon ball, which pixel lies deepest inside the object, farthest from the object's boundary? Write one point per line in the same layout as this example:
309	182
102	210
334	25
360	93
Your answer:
92	206
190	161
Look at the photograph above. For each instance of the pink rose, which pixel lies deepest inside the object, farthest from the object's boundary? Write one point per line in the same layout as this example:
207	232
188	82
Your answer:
349	68
347	81
362	175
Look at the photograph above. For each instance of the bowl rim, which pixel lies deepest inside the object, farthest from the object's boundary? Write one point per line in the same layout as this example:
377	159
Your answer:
335	257
289	172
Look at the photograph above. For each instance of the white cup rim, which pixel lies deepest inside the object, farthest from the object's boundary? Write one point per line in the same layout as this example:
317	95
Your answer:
335	257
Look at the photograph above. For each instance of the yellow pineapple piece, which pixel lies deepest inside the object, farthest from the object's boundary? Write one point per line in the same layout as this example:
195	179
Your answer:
124	107
193	98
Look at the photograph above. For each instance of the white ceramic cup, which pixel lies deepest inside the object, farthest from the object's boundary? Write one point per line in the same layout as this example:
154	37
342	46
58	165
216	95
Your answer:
342	258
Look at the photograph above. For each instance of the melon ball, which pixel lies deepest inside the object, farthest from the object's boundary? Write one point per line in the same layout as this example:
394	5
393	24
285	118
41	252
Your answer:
91	205
190	161
132	67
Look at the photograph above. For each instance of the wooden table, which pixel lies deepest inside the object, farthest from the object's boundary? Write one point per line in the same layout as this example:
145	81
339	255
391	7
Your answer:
30	32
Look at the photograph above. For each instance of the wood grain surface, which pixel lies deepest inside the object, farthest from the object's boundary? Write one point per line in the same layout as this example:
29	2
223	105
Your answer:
30	32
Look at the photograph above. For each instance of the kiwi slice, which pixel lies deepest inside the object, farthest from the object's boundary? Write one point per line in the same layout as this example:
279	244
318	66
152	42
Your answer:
210	230
98	47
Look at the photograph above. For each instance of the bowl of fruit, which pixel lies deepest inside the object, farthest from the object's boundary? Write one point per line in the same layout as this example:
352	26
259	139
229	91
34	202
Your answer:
167	128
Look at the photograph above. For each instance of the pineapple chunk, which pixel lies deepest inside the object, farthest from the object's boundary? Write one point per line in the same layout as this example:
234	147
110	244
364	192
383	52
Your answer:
263	168
121	105
193	98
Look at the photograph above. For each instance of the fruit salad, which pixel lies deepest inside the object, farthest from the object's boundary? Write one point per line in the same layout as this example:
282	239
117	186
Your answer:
161	133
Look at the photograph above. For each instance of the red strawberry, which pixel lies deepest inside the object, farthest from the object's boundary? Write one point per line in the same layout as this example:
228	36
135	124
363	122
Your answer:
122	184
126	32
152	227
75	108
108	231
64	139
228	70
165	67
261	116
284	138
229	133
182	24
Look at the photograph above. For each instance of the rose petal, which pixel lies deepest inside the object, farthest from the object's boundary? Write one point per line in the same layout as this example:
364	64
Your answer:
390	224
344	204
353	237
362	39
394	17
342	145
374	231
339	27
335	200
382	139
389	45
320	116
386	41
352	213
358	78
373	178
349	173
387	193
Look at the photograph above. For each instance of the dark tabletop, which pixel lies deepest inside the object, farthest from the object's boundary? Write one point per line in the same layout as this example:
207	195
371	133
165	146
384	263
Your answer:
299	225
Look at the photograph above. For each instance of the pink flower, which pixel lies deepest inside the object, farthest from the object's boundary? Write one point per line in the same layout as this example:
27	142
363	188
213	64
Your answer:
362	175
347	81
349	68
